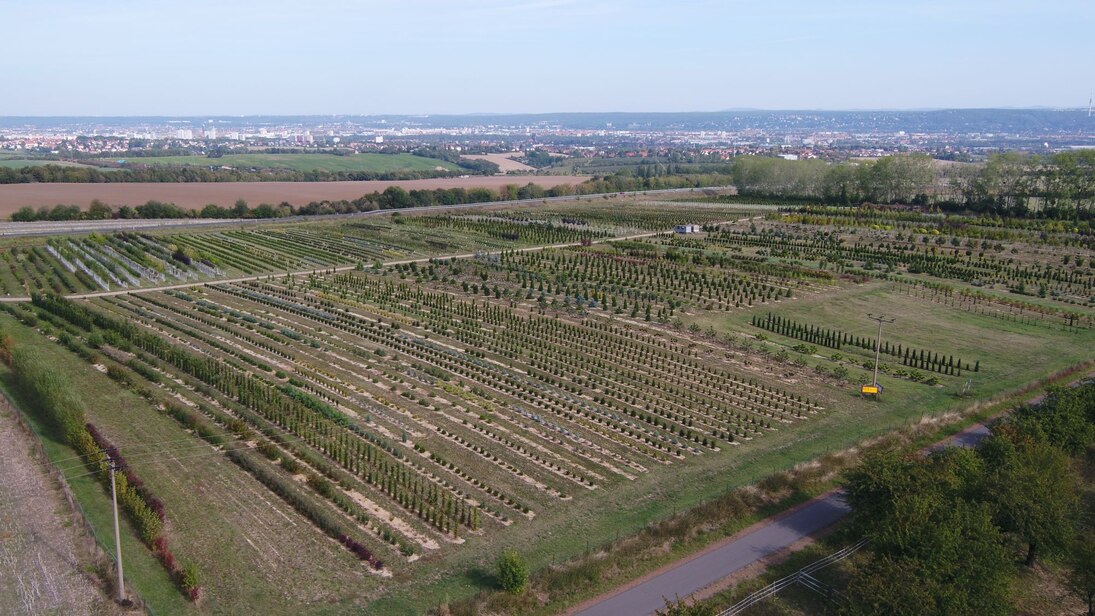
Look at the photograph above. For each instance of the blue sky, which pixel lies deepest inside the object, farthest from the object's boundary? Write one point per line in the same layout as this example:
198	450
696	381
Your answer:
193	57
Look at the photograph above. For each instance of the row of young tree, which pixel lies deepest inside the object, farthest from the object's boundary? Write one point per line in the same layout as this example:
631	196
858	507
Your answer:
835	339
1060	185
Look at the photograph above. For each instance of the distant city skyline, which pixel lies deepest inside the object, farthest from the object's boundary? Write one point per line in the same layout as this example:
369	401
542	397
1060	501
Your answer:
170	58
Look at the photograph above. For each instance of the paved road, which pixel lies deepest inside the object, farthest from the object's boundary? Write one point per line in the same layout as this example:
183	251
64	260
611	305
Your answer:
696	573
969	437
711	566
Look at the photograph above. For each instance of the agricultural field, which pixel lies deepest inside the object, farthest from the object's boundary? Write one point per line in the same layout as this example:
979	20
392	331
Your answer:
368	162
196	195
505	162
413	393
19	163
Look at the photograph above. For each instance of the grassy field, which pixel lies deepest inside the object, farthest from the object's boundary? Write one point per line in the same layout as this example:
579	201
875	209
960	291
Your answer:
20	163
1007	350
369	162
143	573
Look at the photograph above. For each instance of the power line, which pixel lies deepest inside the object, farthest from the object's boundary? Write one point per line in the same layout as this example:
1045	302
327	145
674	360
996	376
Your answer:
128	448
29	490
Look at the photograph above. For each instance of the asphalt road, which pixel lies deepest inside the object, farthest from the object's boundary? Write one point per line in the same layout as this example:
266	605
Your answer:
709	567
698	572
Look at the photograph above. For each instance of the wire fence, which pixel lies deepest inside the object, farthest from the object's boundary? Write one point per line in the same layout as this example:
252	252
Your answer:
803	576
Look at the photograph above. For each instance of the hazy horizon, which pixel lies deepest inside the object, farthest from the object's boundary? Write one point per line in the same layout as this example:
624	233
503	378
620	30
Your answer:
120	58
472	114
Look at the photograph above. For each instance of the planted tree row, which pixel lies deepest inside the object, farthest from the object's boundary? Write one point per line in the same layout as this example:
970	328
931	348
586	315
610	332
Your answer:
344	441
835	339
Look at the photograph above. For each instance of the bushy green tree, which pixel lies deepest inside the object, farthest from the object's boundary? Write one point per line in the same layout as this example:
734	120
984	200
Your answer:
512	572
1033	492
935	549
1065	419
1081	578
957	566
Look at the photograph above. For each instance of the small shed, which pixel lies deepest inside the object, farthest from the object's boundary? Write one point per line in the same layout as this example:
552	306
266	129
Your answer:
686	229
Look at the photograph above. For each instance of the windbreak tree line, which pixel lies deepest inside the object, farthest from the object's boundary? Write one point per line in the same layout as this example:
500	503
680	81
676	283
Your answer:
835	339
1061	185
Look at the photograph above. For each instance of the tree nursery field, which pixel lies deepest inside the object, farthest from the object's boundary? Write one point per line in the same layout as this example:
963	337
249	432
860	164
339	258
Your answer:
330	416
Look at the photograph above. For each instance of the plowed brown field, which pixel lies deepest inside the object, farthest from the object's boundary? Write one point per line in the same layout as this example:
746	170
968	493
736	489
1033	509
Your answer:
199	194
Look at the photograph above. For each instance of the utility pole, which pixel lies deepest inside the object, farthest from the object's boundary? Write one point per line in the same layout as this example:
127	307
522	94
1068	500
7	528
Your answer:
117	534
878	341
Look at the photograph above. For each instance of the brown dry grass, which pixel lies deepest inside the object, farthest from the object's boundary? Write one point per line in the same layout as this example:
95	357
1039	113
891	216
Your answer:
198	194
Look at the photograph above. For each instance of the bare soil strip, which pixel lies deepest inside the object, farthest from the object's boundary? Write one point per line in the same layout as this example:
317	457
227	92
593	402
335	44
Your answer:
42	552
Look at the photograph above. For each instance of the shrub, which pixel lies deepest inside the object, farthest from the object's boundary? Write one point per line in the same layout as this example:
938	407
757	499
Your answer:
512	572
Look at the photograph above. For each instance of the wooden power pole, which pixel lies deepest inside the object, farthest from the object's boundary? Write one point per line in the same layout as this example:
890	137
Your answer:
117	534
